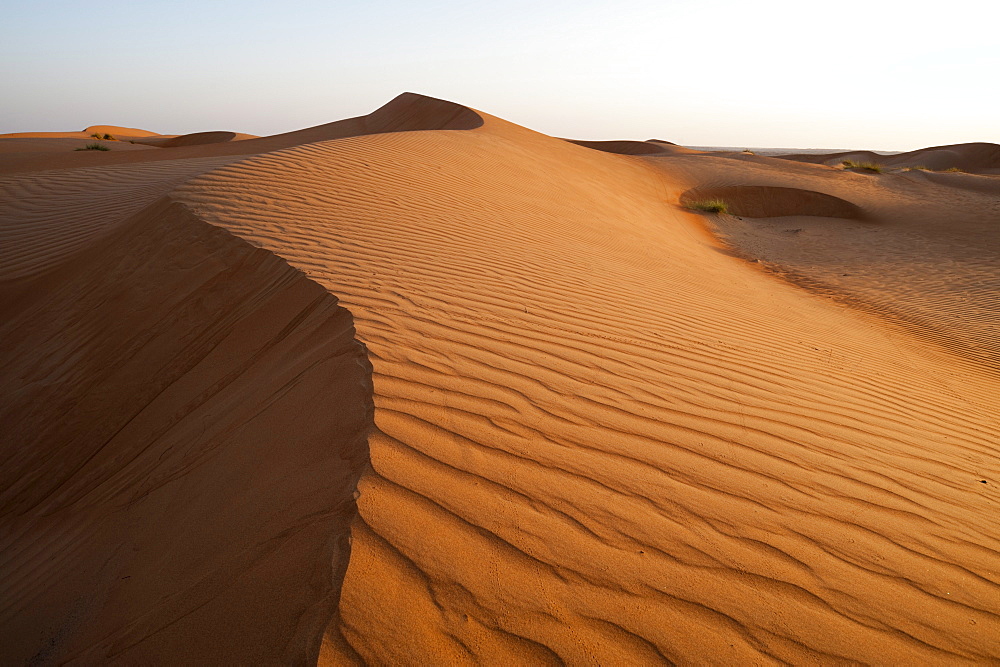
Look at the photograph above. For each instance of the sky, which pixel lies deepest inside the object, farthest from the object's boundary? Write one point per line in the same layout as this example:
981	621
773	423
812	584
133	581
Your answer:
877	74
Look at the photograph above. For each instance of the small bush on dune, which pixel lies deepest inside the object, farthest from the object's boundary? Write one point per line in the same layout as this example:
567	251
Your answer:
96	135
109	137
956	169
709	206
867	166
94	146
917	168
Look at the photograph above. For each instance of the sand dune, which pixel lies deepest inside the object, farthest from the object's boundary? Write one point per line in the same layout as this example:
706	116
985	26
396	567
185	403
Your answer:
117	130
578	427
46	217
196	139
145	495
624	147
114	130
405	113
974	157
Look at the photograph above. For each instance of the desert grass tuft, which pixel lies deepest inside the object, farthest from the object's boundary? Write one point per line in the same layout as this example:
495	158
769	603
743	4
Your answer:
709	206
866	166
955	169
94	146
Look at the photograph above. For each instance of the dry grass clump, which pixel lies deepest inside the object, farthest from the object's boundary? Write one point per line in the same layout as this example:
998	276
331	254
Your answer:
709	206
94	146
866	166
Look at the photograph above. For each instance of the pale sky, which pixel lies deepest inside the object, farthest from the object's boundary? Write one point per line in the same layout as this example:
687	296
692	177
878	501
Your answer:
889	75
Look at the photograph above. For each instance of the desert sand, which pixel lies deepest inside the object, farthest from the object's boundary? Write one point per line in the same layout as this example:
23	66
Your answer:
428	387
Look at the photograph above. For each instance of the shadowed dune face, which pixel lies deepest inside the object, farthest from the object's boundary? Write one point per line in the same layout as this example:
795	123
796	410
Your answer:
968	157
178	475
195	139
409	112
47	217
762	201
624	147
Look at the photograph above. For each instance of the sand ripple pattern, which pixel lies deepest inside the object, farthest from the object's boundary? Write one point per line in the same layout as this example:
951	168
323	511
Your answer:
602	440
46	217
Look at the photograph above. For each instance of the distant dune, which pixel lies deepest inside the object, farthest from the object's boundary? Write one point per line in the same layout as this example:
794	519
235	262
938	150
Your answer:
977	157
428	387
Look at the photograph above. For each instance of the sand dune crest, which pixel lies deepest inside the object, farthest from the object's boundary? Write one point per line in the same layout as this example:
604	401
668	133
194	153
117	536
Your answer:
624	147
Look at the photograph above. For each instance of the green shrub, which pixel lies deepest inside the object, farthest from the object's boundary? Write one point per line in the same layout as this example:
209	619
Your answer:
709	206
109	137
94	146
96	135
867	166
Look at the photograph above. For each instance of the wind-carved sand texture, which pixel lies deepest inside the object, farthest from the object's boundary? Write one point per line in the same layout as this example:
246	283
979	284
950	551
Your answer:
559	419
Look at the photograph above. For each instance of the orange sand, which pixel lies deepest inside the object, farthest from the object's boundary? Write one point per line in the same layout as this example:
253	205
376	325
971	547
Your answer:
426	387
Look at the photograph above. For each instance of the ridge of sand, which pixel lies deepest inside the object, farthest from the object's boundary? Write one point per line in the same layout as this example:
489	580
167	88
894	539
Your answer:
196	139
598	437
407	112
976	156
624	147
46	217
177	482
118	130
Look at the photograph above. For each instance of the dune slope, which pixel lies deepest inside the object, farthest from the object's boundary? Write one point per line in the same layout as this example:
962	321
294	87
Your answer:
426	387
406	113
919	249
185	422
46	217
602	438
975	157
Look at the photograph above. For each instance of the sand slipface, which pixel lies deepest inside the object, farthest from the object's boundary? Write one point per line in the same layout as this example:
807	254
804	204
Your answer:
426	387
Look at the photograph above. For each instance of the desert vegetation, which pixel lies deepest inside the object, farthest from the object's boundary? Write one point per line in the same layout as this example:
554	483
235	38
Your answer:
874	167
709	206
